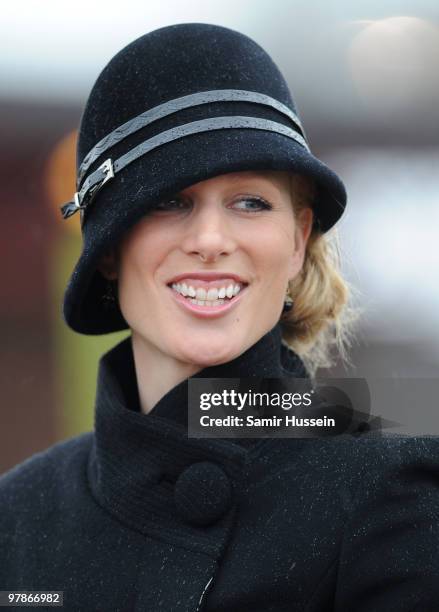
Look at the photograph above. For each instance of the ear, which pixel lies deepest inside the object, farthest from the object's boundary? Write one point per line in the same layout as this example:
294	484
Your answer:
304	222
108	264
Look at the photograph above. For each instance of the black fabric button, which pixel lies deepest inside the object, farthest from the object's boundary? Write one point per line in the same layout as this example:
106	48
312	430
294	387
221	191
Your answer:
203	493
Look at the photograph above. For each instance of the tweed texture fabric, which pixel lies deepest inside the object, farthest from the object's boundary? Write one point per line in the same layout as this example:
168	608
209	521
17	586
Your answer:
136	516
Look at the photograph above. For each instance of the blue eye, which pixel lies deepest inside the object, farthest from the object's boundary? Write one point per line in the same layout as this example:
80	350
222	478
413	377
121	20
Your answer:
259	202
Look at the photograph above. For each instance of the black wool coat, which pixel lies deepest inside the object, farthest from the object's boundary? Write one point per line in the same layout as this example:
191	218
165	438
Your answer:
137	516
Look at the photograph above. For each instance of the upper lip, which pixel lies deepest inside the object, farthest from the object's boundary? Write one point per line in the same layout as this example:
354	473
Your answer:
208	276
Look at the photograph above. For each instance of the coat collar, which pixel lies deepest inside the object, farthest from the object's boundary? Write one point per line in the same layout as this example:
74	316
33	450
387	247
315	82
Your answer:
269	357
137	459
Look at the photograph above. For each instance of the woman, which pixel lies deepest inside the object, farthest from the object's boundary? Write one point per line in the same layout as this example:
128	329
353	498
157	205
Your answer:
195	175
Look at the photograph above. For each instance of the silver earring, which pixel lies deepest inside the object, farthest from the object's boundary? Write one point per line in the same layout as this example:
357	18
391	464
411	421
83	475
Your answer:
289	302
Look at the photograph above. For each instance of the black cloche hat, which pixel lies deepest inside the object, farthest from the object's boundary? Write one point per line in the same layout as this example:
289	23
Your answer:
176	106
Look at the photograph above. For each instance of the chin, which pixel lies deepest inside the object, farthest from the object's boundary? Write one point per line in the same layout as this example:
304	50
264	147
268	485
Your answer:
205	358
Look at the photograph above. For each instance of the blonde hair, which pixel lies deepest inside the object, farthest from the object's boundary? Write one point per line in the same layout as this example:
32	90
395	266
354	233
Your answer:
323	316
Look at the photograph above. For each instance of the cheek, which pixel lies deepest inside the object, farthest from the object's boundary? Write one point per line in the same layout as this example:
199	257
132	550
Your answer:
138	261
272	245
142	247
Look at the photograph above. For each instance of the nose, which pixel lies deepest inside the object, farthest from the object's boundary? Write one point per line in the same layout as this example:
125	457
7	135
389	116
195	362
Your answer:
209	233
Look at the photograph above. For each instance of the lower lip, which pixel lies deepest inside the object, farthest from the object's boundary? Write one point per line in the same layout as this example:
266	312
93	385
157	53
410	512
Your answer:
208	312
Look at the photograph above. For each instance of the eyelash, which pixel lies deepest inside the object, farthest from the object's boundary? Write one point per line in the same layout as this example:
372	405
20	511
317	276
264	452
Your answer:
263	204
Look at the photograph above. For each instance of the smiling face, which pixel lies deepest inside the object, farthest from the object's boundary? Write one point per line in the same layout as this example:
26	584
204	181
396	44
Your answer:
240	223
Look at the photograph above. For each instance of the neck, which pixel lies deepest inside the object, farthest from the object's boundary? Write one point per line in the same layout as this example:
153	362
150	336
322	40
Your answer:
156	373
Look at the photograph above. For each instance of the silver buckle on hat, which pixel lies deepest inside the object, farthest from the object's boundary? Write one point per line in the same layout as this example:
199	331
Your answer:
82	198
107	167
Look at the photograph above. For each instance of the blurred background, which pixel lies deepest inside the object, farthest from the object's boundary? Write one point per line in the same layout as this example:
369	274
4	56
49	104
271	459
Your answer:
365	78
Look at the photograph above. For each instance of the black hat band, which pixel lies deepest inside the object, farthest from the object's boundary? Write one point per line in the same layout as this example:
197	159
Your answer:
95	181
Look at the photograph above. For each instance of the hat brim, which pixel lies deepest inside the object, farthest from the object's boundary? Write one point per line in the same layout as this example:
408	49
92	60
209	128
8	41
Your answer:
126	198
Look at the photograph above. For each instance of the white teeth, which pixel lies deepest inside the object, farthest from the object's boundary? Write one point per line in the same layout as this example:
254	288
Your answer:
207	302
210	297
201	294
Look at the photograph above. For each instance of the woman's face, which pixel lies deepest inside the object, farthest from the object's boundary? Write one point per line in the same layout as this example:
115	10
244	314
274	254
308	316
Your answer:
235	224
